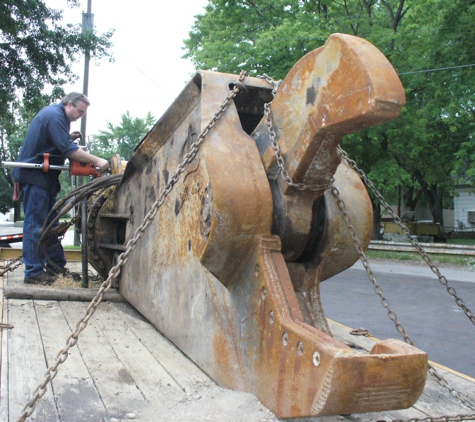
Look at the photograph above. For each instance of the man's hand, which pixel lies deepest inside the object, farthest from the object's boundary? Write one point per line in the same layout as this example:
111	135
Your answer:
102	164
85	157
75	135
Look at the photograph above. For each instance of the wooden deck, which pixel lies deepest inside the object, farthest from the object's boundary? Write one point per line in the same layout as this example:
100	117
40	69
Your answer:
122	368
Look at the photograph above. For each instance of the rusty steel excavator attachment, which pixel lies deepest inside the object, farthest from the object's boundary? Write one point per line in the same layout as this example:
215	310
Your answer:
231	266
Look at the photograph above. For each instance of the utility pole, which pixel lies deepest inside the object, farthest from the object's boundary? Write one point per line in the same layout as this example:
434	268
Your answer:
87	26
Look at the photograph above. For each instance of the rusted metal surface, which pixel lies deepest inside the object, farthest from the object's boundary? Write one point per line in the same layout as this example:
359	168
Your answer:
230	269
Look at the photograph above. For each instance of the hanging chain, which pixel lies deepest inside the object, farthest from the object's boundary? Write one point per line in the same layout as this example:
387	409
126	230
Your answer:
276	146
123	257
364	260
280	159
392	315
452	292
12	266
275	84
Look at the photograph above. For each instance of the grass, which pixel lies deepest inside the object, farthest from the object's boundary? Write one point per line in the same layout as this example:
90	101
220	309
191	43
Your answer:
439	260
72	247
466	242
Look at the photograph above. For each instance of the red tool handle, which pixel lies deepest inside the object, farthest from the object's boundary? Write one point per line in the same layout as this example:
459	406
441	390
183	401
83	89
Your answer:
81	169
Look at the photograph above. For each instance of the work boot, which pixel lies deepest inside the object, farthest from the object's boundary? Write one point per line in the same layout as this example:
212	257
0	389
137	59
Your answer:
40	279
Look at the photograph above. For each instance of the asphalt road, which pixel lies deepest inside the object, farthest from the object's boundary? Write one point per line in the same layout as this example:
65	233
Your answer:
432	319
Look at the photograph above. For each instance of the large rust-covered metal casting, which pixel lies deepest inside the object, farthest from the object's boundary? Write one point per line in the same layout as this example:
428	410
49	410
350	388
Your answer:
230	268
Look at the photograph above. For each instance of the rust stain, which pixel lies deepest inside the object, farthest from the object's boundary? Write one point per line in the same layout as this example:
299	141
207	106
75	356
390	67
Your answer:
230	268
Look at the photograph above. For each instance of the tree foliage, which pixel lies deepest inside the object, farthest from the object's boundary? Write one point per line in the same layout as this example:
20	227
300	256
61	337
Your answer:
36	50
11	139
123	138
434	136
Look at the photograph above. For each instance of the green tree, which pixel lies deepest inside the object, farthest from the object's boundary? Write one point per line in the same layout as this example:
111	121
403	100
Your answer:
36	50
420	150
123	138
440	103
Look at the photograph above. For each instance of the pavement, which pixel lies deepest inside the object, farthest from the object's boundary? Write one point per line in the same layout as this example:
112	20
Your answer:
425	308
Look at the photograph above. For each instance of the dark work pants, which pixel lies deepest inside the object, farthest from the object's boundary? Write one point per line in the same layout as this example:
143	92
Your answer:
37	203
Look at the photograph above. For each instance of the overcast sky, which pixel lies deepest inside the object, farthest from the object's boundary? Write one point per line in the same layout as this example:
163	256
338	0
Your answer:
148	72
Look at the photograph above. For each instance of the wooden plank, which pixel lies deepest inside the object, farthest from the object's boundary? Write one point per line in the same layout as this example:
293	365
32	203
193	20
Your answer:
113	381
147	373
26	363
436	400
461	381
126	386
4	357
76	395
181	369
4	402
74	295
13	253
390	415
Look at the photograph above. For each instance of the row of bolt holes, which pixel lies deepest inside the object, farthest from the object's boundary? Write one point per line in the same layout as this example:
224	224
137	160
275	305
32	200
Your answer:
285	336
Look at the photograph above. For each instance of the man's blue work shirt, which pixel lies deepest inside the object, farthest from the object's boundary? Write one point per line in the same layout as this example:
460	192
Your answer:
48	132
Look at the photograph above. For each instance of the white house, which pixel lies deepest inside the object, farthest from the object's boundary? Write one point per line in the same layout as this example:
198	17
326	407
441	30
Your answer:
464	208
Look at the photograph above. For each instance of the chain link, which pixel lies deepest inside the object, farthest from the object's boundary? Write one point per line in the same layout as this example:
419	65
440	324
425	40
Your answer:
122	259
364	260
384	301
276	146
280	159
392	315
12	266
271	81
452	292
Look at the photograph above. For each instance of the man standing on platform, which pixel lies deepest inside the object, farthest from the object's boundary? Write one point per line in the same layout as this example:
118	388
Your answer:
48	133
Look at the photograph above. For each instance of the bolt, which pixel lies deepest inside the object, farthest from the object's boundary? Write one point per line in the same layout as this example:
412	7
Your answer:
264	293
285	339
316	358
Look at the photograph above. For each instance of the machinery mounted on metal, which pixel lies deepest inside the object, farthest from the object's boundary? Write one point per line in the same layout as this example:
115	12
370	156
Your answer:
230	268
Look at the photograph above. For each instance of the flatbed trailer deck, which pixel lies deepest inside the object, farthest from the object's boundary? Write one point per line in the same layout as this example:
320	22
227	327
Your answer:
123	368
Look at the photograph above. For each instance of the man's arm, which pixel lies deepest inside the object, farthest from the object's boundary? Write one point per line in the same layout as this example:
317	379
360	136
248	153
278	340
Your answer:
84	157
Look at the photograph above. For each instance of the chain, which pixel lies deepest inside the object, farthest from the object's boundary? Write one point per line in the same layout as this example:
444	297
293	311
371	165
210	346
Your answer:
271	81
12	266
452	292
364	260
123	257
276	147
280	159
392	315
275	144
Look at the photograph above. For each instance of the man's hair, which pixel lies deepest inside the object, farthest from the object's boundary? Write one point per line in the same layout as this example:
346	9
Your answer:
74	98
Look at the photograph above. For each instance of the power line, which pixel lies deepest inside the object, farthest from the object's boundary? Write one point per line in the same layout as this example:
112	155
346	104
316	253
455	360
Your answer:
148	77
436	70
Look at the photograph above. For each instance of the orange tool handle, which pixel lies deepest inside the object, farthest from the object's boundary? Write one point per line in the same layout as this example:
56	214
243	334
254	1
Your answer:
46	162
81	169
